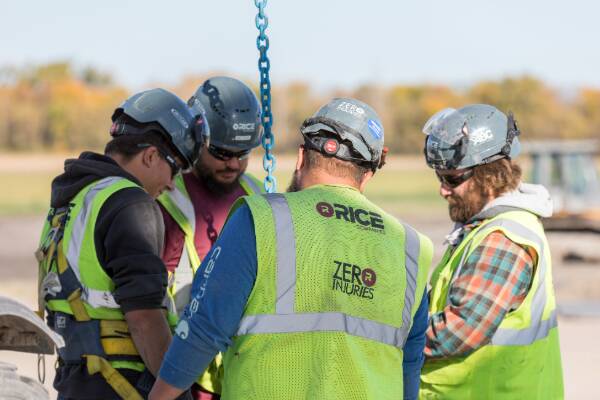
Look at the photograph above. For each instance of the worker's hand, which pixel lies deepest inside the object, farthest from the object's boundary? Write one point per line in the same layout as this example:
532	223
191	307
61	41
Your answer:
163	391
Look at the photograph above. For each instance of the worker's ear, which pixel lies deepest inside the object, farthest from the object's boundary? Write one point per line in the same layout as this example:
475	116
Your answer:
150	156
300	160
365	178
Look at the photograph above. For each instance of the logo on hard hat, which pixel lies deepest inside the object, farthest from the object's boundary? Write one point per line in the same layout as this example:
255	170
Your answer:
115	128
331	146
244	127
480	136
375	129
353	280
351	109
179	118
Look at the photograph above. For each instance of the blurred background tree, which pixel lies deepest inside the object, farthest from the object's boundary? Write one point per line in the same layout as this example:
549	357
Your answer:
53	107
57	107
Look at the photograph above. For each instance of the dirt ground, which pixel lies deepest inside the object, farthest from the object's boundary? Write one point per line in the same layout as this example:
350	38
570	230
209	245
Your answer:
577	287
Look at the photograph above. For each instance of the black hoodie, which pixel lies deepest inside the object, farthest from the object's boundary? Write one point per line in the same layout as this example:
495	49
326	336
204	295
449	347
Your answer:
129	231
128	235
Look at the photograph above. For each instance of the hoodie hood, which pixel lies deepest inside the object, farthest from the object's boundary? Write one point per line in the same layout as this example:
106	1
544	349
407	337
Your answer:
82	171
528	197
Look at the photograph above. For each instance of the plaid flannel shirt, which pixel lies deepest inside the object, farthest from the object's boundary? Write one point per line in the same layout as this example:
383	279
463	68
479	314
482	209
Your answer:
493	281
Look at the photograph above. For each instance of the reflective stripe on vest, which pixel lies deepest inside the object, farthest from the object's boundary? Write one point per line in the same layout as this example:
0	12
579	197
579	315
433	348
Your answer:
186	207
254	188
95	298
538	328
287	321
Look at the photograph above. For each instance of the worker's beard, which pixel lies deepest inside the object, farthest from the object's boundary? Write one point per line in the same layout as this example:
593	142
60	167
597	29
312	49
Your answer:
463	208
294	185
207	177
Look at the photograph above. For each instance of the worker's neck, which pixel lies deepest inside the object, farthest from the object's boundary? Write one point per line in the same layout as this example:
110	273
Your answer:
323	178
124	163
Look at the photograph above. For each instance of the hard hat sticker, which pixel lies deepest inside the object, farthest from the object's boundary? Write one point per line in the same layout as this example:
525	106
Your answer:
179	118
351	109
331	146
481	135
375	129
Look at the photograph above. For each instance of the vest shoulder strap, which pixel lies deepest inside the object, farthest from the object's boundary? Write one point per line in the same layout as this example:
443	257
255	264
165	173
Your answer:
250	184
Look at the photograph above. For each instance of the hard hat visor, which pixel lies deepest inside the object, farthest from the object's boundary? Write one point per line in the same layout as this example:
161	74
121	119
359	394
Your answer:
447	139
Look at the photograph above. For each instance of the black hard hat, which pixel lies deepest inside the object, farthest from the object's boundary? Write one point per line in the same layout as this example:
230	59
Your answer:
232	111
184	128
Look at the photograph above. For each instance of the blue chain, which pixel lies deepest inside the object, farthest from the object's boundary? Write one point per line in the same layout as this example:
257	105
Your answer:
268	140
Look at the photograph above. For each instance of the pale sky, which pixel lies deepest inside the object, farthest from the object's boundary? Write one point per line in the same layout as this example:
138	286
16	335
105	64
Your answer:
329	43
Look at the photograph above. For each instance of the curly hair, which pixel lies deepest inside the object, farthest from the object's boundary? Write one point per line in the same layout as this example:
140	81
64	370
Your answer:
500	176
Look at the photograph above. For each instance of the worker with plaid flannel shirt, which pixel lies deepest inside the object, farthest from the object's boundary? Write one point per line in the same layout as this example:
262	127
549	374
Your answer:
492	332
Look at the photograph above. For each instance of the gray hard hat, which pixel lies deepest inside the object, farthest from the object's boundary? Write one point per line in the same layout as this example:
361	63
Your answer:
472	135
355	128
232	111
185	129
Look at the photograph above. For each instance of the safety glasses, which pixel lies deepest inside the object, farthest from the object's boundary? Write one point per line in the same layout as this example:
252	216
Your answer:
175	168
226	155
454	180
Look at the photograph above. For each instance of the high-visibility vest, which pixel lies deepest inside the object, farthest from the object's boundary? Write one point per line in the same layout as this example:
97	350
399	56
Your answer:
522	361
179	205
337	287
79	294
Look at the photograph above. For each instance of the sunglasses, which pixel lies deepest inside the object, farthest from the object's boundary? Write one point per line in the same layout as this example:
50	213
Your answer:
175	168
226	155
453	181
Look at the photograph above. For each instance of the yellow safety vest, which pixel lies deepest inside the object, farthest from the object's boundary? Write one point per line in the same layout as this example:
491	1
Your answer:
338	284
178	204
79	294
522	361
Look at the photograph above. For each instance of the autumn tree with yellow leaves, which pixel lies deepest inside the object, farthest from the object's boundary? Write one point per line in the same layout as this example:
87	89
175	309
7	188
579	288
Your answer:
56	107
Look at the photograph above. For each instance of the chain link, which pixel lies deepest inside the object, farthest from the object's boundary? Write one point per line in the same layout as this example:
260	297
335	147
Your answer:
211	232
264	65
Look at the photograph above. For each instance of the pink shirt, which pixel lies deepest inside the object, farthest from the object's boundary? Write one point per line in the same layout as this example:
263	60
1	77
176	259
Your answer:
207	206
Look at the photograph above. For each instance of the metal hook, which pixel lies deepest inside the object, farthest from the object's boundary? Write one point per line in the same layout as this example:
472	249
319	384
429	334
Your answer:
41	368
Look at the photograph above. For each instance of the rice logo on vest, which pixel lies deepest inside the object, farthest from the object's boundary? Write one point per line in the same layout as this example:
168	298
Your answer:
353	280
363	219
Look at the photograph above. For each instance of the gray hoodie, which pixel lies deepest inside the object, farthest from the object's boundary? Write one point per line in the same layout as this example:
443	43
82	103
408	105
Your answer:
528	197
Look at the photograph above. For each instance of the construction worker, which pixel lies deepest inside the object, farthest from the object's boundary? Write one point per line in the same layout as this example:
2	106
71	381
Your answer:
195	210
312	294
101	277
493	331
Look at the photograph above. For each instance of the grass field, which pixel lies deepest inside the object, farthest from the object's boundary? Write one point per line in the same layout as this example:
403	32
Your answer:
25	193
404	184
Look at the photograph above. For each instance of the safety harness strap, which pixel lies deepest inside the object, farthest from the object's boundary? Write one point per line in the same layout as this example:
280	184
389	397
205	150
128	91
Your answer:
116	381
77	307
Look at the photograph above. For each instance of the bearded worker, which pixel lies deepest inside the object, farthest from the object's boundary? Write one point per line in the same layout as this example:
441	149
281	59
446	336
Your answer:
493	332
195	210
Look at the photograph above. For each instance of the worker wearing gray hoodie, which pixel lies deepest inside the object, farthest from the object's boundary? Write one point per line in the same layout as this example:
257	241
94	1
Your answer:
493	330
